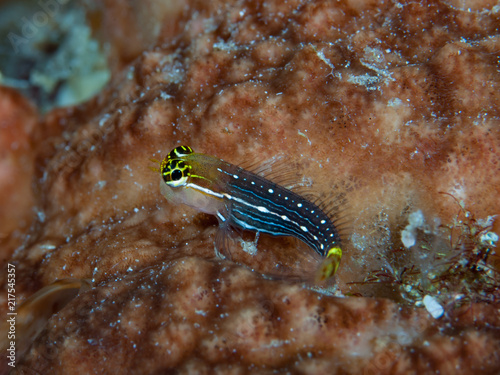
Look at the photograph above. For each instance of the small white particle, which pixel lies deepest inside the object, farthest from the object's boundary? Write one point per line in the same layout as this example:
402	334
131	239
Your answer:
299	205
433	307
253	183
489	238
235	176
323	221
303	228
284	217
271	191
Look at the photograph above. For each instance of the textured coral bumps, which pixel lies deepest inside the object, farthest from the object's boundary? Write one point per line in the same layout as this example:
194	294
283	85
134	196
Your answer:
18	120
387	104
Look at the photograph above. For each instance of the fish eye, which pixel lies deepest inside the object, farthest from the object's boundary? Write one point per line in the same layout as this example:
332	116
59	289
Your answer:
176	173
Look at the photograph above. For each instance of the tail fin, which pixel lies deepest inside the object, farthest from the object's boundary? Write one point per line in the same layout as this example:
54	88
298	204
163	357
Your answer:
329	266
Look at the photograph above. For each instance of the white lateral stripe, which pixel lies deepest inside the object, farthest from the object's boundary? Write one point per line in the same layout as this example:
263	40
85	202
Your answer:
205	190
263	209
259	208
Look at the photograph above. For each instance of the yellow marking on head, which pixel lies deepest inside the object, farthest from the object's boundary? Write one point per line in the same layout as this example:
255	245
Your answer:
163	164
179	152
329	265
176	169
175	172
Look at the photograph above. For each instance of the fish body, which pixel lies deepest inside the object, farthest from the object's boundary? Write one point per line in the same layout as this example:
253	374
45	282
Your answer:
245	200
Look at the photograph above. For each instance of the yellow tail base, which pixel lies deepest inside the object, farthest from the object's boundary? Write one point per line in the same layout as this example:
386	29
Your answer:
329	266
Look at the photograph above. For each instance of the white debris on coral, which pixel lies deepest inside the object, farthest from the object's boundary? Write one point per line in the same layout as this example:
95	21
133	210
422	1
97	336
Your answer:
486	223
408	235
488	238
433	307
250	247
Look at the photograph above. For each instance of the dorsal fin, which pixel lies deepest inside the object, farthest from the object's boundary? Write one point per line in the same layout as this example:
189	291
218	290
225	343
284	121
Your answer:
281	171
277	169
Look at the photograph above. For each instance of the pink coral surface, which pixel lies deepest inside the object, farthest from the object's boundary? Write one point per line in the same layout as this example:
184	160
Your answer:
387	104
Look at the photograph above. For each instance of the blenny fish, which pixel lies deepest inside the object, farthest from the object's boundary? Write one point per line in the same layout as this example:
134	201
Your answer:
242	199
